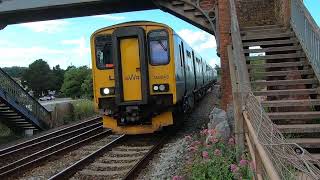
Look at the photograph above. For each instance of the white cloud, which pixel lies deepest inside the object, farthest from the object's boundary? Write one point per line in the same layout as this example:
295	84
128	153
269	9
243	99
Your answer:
52	26
199	40
74	51
110	17
213	62
81	49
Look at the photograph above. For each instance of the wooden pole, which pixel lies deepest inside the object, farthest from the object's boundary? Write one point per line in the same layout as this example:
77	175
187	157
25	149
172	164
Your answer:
237	106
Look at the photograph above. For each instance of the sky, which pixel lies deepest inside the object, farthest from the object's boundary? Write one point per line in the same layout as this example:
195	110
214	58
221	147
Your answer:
66	41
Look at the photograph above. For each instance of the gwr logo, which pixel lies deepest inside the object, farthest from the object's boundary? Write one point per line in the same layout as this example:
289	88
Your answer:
132	77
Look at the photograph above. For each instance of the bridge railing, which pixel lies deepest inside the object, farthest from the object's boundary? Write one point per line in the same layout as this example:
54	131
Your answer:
23	98
273	156
308	33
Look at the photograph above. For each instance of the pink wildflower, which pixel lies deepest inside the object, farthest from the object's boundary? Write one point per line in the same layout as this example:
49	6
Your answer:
213	140
212	132
205	155
188	138
243	162
177	178
231	141
233	168
204	132
217	152
192	149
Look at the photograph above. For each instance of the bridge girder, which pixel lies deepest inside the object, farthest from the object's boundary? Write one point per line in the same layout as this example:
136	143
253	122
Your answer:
21	11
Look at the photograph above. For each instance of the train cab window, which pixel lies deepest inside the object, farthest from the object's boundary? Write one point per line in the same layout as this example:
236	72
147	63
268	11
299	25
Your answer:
104	52
159	47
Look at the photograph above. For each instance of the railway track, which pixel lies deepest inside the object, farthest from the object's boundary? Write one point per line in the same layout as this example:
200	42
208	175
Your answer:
121	158
21	157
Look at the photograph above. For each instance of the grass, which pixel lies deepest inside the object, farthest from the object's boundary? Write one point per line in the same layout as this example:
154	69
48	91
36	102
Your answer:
254	73
82	109
6	135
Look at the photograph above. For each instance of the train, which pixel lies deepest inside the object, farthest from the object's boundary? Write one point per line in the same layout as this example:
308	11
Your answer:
145	74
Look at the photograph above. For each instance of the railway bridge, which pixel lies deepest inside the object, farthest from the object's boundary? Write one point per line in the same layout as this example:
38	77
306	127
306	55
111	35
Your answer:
270	60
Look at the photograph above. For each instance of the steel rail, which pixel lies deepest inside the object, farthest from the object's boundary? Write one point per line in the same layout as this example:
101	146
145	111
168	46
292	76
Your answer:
49	135
53	140
25	163
141	164
68	172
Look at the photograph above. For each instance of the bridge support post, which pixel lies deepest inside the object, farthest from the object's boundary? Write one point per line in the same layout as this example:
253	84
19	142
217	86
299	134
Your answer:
237	106
224	40
28	132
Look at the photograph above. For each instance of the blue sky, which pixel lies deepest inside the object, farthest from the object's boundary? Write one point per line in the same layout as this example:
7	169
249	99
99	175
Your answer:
66	41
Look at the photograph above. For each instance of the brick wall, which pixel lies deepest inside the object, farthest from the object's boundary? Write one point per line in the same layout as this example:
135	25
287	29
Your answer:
207	4
225	40
256	12
282	12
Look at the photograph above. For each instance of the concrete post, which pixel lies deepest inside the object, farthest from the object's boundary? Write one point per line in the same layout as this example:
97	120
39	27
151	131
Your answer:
28	132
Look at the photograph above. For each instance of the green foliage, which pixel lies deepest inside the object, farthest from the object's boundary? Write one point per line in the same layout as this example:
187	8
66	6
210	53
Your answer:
87	87
38	77
215	158
218	69
83	109
254	73
73	80
58	77
15	71
6	135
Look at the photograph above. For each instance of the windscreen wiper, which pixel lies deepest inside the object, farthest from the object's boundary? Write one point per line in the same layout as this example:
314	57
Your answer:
162	45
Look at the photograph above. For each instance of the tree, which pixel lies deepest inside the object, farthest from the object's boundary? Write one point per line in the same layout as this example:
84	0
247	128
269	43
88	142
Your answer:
218	69
73	80
38	77
58	77
15	71
87	87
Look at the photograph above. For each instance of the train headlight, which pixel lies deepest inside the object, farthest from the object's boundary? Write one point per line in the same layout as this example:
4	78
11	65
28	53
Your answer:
155	88
107	91
160	87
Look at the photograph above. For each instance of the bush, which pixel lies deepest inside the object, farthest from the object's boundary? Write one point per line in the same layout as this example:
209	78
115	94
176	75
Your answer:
83	109
6	135
214	158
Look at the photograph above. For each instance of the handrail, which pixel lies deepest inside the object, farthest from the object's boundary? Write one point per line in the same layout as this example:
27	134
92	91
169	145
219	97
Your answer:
23	98
308	33
238	47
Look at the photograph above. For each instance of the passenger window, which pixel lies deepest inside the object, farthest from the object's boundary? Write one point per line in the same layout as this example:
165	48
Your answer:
159	48
104	52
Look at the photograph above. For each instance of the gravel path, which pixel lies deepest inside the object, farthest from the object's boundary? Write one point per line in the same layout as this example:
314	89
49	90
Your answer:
171	158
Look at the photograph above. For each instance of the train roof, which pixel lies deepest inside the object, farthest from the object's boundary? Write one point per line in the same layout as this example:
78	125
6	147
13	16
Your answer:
130	23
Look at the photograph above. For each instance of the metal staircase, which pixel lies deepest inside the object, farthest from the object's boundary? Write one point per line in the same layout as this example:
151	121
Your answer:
282	76
18	110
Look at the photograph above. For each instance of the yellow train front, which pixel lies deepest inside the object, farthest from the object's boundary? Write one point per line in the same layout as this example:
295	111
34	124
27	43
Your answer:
143	73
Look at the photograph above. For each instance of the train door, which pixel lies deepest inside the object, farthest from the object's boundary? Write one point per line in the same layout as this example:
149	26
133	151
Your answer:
130	66
183	67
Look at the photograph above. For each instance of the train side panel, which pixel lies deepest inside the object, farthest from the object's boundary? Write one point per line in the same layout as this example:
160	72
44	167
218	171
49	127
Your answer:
179	70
